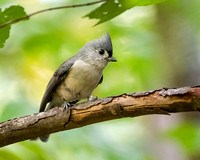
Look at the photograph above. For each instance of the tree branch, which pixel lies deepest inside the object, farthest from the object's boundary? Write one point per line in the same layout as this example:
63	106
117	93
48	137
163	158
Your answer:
46	10
163	101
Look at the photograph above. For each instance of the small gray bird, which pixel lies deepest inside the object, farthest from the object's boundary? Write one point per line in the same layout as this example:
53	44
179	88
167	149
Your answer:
78	76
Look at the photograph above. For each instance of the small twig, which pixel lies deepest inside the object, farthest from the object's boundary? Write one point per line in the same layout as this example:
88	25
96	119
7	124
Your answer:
46	10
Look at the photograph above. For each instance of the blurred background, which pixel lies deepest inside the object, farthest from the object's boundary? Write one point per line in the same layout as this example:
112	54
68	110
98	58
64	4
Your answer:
156	46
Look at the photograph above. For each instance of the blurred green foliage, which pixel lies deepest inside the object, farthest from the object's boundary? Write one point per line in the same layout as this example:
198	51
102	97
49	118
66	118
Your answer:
187	134
37	47
105	12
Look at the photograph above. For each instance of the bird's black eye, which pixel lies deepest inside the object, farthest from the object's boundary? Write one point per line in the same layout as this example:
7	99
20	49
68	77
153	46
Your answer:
101	51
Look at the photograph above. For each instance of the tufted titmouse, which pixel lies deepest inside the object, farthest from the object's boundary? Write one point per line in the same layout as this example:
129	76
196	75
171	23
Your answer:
78	76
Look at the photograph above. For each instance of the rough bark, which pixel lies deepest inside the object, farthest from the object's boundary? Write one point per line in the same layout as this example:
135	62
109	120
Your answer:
163	101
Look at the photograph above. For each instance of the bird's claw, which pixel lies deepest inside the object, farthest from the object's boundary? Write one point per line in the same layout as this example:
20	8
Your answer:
92	98
66	105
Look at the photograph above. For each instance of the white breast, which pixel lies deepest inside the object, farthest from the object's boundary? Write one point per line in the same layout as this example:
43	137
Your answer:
80	82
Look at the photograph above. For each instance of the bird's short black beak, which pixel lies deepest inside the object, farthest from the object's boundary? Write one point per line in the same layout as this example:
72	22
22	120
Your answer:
112	59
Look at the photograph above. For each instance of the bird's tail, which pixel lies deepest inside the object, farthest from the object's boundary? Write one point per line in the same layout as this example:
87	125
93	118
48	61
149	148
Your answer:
44	138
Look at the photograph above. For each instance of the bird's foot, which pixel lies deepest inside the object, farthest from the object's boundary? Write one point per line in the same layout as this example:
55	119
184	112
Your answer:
92	98
66	105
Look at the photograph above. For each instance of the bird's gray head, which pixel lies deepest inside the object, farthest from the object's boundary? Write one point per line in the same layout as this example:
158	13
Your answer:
98	51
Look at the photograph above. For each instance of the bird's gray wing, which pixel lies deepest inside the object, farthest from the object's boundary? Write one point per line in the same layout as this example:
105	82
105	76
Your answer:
101	80
57	77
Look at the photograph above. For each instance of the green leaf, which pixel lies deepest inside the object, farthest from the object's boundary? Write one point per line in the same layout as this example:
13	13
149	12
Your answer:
113	8
11	13
4	32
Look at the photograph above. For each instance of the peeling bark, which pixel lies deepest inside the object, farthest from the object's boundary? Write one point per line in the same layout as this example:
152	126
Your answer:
163	101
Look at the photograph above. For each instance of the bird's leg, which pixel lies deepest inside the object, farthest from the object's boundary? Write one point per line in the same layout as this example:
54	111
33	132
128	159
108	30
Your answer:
66	105
92	98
